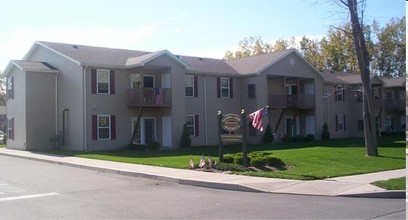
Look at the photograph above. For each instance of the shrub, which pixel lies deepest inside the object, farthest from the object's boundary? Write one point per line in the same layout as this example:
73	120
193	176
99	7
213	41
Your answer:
154	145
325	132
259	161
299	138
229	167
228	158
136	147
309	138
267	136
185	138
275	162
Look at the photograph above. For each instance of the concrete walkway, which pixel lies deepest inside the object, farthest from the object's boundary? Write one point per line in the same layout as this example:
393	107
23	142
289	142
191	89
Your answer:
358	185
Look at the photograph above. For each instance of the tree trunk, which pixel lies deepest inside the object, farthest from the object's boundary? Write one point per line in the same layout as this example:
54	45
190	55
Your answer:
370	134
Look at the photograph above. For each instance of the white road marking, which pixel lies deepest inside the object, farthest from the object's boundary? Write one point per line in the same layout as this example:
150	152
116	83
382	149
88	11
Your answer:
28	196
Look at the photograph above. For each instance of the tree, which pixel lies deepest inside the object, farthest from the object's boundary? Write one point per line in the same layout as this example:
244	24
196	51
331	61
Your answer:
185	140
389	56
3	99
311	51
370	135
267	136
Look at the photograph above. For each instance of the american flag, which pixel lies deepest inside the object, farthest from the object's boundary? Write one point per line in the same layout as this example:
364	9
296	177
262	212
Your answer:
202	162
257	116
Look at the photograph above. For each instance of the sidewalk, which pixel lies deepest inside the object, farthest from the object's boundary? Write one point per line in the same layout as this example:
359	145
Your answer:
357	186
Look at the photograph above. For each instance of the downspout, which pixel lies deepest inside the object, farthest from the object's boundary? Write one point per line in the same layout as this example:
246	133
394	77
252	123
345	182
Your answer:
63	126
205	110
84	106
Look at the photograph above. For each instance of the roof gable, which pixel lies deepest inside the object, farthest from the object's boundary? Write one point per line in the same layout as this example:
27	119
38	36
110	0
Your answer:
32	66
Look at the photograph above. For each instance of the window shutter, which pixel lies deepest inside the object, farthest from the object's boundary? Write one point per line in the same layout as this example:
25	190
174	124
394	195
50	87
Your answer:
12	94
344	122
93	81
344	95
112	81
113	127
94	127
218	87
337	123
335	95
231	88
12	127
195	86
196	126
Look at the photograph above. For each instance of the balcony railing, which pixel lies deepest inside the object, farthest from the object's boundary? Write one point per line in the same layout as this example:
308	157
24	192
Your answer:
149	97
394	104
292	101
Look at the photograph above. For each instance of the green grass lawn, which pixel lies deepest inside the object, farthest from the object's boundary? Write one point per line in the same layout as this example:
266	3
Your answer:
392	184
313	160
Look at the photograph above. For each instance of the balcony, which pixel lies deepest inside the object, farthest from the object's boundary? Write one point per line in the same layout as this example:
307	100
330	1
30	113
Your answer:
292	101
394	104
149	97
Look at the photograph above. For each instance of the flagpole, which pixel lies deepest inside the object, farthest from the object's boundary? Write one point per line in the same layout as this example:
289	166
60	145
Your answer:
220	147
244	139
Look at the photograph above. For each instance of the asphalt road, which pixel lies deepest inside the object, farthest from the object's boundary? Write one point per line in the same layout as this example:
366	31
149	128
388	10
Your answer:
39	190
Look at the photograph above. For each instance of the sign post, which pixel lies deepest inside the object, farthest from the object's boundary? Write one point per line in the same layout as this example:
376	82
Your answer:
244	139
232	123
220	147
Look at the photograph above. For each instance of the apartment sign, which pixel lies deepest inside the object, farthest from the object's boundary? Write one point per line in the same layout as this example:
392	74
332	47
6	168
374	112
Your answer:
231	122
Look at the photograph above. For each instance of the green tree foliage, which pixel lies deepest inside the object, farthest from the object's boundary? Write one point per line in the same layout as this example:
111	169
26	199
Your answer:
389	56
312	51
185	138
325	132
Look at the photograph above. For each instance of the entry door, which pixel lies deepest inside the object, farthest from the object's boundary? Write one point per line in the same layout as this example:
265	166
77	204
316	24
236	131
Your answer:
291	89
166	84
145	132
166	129
310	125
291	128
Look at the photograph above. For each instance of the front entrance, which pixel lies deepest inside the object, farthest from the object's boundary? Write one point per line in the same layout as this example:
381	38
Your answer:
146	131
291	128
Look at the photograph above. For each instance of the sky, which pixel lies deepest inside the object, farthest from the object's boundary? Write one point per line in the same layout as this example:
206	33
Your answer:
203	28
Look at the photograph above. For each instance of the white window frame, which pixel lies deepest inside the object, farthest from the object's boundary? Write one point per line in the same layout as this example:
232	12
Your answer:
141	130
225	87
101	71
10	127
188	86
340	121
109	127
191	125
339	92
10	87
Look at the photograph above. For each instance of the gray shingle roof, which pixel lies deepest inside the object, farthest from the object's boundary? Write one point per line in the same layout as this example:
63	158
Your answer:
121	58
255	64
98	56
34	66
207	65
394	82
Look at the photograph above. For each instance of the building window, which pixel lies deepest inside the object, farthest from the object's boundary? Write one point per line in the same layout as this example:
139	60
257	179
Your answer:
339	94
251	91
103	82
225	87
340	122
189	86
148	81
104	123
10	87
190	124
10	129
360	125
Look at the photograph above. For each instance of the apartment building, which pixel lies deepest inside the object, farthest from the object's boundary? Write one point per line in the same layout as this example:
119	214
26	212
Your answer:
88	98
344	109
